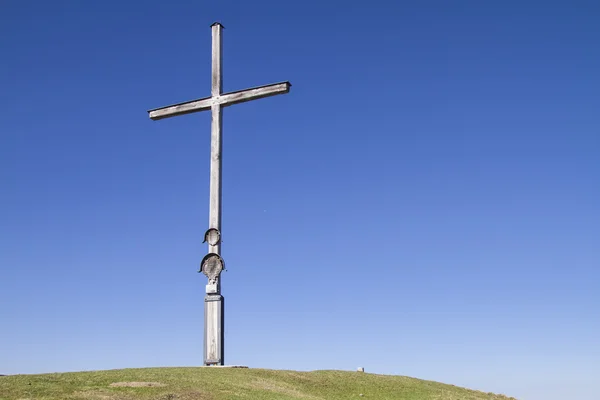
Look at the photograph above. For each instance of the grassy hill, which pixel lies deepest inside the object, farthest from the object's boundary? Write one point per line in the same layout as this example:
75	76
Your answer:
227	383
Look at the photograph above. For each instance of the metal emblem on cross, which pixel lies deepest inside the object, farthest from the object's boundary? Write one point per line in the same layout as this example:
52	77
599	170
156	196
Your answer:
212	264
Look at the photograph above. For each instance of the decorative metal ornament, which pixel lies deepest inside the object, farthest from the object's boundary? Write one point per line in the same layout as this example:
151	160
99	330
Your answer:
212	236
211	266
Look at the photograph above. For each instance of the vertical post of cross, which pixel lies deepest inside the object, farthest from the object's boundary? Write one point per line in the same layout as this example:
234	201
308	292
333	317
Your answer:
214	322
216	141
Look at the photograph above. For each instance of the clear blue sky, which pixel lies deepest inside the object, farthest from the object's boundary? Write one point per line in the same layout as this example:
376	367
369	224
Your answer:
424	202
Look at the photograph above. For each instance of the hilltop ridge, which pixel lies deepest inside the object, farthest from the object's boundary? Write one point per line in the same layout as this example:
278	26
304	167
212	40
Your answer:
192	383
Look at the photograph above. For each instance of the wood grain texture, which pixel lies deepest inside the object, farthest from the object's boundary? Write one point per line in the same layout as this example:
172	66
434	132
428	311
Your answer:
213	330
216	168
217	60
254	93
226	99
181	108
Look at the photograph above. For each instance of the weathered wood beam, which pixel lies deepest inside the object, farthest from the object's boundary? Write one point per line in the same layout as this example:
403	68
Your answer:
217	60
181	108
226	99
259	92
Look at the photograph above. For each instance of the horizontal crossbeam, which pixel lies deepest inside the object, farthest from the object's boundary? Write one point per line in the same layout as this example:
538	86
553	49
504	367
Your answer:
224	100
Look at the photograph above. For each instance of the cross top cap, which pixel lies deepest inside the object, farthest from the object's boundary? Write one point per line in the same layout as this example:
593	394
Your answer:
217	23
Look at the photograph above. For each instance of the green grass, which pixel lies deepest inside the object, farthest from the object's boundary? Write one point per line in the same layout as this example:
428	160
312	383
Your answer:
227	383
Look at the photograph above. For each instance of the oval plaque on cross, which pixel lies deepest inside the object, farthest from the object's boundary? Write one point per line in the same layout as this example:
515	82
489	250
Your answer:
211	266
212	236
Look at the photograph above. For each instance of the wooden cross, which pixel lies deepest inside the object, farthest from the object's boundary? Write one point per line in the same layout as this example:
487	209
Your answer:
212	263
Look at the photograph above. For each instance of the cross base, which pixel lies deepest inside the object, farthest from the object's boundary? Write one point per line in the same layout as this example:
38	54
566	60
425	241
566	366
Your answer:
214	329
